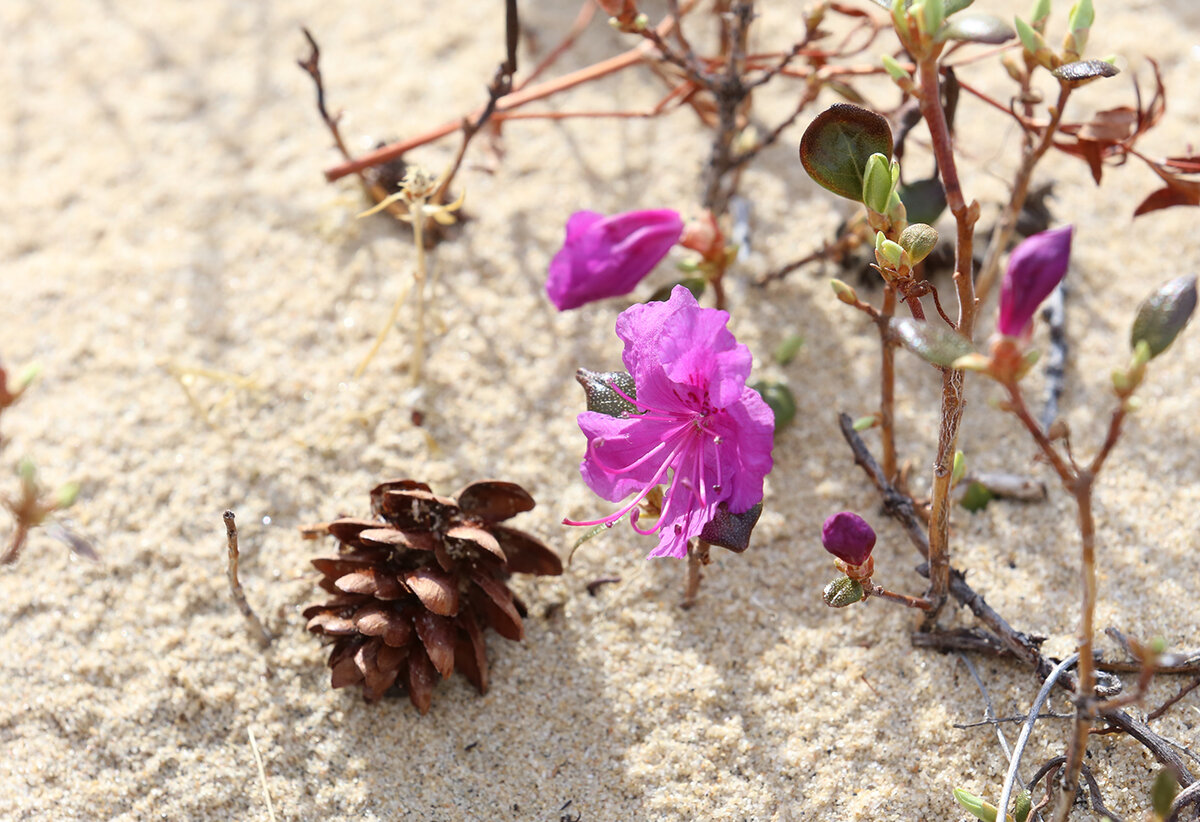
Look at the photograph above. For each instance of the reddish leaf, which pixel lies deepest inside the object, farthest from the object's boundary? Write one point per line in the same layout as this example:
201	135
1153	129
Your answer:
1167	197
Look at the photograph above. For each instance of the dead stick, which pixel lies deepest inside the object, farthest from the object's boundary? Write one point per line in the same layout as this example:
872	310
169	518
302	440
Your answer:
256	627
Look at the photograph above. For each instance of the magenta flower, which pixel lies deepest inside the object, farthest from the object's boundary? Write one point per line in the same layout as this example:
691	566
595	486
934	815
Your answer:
699	422
848	537
1035	268
608	256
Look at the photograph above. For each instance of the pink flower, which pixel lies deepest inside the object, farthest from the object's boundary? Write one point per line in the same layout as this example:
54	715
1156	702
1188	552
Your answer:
848	537
1035	268
608	256
699	423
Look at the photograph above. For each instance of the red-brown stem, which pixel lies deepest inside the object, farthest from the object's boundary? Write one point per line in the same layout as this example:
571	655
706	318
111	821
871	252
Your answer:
632	57
1079	483
911	602
1021	411
1008	219
1084	693
887	385
952	380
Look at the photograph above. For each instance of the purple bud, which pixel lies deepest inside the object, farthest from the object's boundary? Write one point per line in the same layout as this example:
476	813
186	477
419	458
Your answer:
608	256
1035	268
848	537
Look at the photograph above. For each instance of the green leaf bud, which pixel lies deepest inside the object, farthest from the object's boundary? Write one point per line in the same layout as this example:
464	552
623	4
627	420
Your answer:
67	495
918	240
892	252
960	468
844	292
1041	11
865	423
933	14
877	183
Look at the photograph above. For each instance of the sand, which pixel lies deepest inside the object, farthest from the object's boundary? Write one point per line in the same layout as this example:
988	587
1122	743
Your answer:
164	210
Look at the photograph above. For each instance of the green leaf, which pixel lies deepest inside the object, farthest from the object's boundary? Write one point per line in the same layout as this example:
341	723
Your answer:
598	386
934	344
1162	794
841	592
1164	314
924	200
787	350
978	28
836	146
955	6
696	285
976	497
1084	71
779	398
731	531
977	806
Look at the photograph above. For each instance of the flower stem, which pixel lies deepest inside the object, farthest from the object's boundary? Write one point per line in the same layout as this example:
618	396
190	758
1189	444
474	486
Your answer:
697	558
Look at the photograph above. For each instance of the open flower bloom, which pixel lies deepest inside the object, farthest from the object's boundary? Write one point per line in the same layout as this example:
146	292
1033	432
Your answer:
700	429
1035	268
608	256
848	537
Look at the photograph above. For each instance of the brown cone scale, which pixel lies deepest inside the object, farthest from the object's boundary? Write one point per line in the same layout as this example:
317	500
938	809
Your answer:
414	588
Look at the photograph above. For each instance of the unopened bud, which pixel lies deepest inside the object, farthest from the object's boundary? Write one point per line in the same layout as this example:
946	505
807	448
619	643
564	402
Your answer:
1164	314
844	292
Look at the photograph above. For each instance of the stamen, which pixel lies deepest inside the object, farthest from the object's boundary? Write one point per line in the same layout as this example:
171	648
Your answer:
658	475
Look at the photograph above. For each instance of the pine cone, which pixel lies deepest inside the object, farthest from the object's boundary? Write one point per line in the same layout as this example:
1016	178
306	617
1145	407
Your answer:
414	587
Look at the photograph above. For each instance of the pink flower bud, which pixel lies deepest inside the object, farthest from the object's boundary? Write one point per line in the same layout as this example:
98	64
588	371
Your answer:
608	256
1035	268
848	537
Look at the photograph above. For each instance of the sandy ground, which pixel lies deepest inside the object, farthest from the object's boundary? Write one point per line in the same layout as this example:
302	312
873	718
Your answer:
164	209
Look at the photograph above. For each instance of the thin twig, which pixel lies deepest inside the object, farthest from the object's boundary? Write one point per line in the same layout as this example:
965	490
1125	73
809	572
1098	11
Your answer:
259	632
262	773
1027	729
1166	706
989	711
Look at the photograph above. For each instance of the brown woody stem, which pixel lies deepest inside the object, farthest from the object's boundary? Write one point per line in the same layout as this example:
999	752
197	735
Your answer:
952	381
